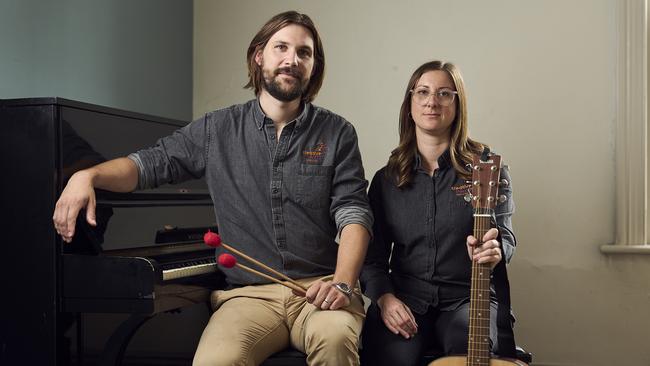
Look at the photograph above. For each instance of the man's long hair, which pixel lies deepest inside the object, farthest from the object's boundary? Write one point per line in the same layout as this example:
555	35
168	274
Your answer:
461	147
255	75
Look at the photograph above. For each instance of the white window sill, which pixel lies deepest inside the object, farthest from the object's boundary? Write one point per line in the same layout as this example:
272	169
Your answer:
625	249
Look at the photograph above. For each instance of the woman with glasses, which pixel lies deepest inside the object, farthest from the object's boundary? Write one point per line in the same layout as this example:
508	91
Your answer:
418	267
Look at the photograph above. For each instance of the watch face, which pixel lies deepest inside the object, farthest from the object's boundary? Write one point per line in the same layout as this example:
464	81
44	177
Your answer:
343	287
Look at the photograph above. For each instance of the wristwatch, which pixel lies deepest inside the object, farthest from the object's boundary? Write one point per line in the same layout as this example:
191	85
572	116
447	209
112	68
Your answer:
344	288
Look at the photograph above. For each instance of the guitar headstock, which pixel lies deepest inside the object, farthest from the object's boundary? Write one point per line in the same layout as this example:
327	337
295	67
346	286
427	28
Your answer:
485	181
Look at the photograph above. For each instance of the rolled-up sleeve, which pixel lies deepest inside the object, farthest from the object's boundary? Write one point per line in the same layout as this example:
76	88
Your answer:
349	199
175	158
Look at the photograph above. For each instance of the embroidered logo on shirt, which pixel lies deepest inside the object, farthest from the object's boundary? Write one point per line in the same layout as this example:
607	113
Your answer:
461	189
315	155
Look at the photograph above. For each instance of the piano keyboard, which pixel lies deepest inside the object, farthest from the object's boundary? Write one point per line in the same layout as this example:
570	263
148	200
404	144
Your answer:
171	271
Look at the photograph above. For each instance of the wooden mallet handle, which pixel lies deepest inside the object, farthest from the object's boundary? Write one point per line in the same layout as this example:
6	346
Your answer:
228	261
214	240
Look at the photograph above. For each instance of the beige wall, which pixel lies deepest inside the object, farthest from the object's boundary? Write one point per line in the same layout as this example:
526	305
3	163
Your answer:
541	81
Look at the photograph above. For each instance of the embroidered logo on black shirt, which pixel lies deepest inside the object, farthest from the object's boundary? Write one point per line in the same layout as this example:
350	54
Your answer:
315	155
461	189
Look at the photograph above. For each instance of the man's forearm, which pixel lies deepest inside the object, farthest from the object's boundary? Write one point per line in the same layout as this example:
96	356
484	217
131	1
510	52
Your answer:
118	175
352	251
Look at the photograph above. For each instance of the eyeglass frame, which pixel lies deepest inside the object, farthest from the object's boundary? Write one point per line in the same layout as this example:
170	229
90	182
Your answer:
435	95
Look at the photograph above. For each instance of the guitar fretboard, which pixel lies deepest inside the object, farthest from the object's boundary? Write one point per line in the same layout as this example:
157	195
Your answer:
478	347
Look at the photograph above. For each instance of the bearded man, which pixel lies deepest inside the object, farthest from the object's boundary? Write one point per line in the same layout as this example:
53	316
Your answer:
288	189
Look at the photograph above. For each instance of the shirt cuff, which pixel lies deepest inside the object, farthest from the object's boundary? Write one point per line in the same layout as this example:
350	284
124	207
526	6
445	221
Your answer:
135	157
377	288
353	215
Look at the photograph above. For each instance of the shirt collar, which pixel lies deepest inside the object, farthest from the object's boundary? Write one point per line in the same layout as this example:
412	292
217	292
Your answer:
260	117
444	160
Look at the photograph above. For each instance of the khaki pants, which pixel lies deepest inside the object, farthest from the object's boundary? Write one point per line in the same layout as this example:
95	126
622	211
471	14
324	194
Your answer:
251	323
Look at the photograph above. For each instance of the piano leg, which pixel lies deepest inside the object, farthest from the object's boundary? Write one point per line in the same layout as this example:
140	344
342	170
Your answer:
119	340
80	339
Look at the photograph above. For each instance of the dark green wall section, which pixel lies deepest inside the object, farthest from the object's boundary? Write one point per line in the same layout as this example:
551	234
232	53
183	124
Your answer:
133	55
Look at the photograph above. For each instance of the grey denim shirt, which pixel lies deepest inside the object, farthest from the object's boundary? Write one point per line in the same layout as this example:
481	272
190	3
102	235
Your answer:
281	201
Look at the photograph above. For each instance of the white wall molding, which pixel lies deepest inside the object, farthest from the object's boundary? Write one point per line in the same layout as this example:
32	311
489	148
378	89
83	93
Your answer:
631	132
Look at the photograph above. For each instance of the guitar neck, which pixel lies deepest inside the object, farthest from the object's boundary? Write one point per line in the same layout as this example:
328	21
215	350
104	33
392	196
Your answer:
478	348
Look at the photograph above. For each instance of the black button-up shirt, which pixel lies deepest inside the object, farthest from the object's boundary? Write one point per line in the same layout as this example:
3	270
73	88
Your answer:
419	247
280	200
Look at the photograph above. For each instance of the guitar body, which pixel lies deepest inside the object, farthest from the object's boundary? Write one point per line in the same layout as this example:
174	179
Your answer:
462	361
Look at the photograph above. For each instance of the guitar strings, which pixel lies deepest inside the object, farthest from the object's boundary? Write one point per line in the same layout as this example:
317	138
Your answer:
477	349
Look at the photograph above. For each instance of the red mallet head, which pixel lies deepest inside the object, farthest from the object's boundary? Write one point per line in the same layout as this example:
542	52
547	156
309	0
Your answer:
212	239
227	260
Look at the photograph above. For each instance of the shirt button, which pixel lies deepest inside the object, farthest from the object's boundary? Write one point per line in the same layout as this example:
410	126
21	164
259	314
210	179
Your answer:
275	190
272	137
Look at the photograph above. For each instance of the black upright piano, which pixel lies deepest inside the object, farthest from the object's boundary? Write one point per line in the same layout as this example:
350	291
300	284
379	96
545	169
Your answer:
144	257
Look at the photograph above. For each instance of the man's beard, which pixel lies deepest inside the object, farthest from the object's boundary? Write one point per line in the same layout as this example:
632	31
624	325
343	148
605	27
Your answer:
274	87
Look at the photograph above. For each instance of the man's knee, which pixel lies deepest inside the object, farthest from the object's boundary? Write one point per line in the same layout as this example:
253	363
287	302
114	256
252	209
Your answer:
334	336
222	356
340	337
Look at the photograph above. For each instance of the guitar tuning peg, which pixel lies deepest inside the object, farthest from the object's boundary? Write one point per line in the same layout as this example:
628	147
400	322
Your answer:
504	182
468	197
503	198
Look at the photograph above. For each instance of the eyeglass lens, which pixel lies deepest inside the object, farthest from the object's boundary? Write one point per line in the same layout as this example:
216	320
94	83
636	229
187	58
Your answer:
443	97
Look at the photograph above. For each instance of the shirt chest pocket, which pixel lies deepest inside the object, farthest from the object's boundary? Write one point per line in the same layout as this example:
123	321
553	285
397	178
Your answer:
461	213
314	185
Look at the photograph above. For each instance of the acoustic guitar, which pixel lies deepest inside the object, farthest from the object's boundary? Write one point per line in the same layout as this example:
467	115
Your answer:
485	183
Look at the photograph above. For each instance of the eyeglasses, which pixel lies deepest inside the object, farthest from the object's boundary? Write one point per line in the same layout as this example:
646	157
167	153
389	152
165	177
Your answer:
445	97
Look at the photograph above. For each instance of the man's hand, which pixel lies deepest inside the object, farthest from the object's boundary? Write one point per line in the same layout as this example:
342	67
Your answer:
397	317
487	252
78	193
323	295
117	175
